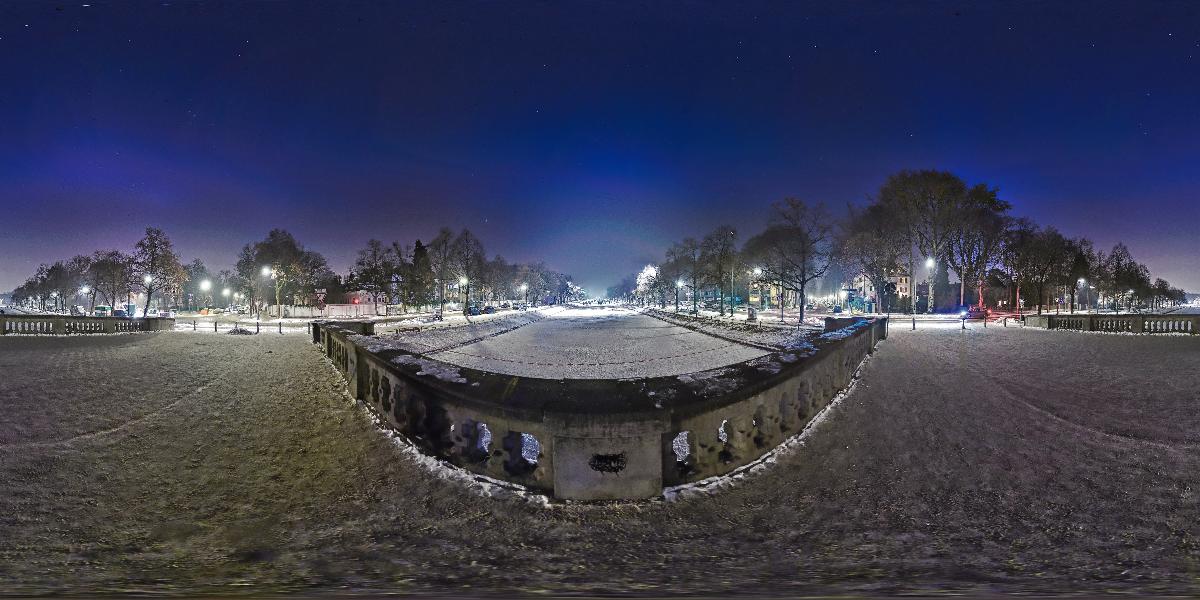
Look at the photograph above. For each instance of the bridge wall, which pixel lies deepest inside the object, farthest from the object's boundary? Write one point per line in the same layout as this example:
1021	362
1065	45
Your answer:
599	439
1130	323
64	325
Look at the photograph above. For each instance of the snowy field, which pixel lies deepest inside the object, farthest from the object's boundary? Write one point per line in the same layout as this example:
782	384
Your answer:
603	342
999	460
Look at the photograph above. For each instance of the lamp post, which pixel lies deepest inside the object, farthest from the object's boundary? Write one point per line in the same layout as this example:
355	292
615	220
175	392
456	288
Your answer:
147	279
1083	284
929	287
678	286
225	292
525	291
463	282
276	277
205	286
758	285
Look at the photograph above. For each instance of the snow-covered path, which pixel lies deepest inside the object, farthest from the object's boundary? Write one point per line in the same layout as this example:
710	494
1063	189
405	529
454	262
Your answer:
980	461
582	343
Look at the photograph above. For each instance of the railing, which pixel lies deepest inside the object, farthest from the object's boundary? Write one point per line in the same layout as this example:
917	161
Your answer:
1189	324
64	325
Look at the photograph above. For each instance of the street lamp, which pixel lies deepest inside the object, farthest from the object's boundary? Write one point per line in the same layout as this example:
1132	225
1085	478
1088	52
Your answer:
678	286
275	275
463	282
930	263
525	291
1083	284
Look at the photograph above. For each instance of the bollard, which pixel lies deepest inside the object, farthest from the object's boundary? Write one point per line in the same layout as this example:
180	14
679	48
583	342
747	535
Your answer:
256	326
964	324
193	324
1006	321
281	327
985	321
214	326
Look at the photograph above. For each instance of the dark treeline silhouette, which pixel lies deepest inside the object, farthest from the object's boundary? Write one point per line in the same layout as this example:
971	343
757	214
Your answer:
918	219
451	268
279	270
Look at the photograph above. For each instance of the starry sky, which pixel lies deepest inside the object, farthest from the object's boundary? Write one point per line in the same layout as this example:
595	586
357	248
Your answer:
587	134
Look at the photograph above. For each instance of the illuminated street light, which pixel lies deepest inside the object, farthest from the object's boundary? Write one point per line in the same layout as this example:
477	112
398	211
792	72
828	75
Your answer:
930	263
266	271
205	285
464	282
83	291
757	271
148	278
225	292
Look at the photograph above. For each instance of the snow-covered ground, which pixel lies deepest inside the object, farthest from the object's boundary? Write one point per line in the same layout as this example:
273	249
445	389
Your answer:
982	462
585	343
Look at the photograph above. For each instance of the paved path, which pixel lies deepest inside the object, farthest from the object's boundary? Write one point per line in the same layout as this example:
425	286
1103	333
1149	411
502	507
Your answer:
581	343
968	461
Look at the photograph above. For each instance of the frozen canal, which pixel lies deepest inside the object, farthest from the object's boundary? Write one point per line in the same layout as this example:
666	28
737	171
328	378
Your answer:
982	462
582	343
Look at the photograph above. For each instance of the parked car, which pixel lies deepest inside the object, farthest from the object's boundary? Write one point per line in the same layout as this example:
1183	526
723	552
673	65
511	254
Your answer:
152	313
78	311
166	314
489	310
505	305
472	311
121	314
837	310
102	311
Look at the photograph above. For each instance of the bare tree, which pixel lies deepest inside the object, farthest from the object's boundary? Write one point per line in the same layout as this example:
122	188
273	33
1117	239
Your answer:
795	249
928	202
685	258
718	252
873	242
977	238
157	265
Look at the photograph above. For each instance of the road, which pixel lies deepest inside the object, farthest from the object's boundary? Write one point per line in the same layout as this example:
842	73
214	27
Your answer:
979	461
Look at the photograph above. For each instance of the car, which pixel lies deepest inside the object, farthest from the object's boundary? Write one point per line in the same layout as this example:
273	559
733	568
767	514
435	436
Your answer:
102	311
472	311
505	305
121	314
489	310
837	310
974	312
152	313
166	314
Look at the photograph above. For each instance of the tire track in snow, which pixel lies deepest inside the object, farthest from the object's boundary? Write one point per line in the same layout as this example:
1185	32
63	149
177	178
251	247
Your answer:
105	432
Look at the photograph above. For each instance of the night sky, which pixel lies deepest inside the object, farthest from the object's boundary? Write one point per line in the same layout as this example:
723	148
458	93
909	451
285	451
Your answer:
587	134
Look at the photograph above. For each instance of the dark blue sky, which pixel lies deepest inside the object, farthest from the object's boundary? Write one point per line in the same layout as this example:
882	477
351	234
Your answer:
590	134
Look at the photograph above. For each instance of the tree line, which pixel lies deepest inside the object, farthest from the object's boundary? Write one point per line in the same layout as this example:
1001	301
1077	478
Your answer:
451	267
928	218
279	269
